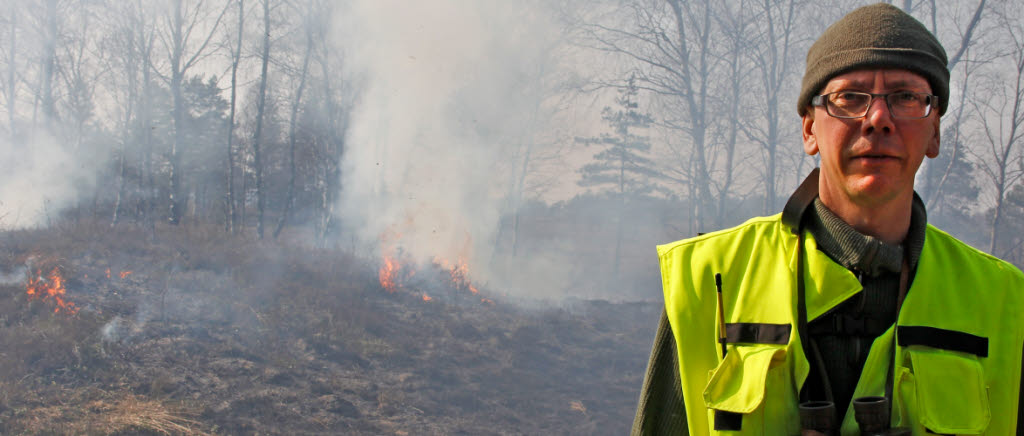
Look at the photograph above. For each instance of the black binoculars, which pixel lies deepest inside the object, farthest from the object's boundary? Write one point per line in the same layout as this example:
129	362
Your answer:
819	418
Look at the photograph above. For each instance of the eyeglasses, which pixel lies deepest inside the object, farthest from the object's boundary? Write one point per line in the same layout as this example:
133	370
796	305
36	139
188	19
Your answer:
852	104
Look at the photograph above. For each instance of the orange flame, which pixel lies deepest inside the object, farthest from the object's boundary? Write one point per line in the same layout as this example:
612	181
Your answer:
388	274
426	297
459	273
394	272
108	273
50	288
125	274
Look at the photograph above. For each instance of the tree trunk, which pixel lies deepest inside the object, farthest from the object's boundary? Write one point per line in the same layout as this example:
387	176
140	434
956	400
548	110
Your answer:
229	195
996	220
261	101
289	202
49	60
334	147
965	42
1013	140
130	124
148	179
696	100
933	193
11	67
178	118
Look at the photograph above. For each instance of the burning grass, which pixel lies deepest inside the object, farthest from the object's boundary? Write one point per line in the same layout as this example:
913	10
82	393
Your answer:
211	334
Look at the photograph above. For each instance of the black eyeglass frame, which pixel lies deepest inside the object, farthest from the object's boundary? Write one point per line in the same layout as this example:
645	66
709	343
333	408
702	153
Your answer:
933	100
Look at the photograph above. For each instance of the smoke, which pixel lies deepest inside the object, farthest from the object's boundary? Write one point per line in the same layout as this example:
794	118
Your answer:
17	276
450	89
39	176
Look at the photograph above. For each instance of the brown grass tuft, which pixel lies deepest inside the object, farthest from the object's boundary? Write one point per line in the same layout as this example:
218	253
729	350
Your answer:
132	414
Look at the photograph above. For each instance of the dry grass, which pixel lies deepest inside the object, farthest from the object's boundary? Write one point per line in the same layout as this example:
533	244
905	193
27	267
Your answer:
111	414
131	414
231	335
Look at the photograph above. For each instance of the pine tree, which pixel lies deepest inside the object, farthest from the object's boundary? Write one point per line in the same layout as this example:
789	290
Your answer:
622	167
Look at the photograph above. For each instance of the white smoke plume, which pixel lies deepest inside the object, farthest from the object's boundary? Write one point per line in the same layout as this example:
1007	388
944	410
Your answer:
38	177
450	89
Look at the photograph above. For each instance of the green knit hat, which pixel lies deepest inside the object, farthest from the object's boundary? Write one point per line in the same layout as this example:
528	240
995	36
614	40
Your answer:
876	36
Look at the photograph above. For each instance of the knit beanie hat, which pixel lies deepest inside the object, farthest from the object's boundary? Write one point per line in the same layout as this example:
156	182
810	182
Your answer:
875	36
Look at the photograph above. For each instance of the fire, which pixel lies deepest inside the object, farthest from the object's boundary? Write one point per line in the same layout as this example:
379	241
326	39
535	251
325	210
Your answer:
52	288
397	268
459	273
388	274
394	273
121	274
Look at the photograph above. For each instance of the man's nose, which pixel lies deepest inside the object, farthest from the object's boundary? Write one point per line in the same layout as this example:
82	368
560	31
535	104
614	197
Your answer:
879	116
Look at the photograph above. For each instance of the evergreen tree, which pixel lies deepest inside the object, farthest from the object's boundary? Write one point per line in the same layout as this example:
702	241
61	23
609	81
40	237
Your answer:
622	167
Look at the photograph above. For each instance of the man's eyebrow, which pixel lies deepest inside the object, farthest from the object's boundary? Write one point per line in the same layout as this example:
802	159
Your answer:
848	83
905	84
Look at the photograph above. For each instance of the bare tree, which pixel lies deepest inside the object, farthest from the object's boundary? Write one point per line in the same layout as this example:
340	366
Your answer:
332	119
771	52
1000	111
289	202
78	72
126	61
49	32
11	90
257	136
229	193
185	25
936	178
967	37
735	25
229	202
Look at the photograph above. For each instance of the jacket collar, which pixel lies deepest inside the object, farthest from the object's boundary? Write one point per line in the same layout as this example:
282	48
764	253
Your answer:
798	203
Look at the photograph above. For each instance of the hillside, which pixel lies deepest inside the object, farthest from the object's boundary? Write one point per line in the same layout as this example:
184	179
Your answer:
196	332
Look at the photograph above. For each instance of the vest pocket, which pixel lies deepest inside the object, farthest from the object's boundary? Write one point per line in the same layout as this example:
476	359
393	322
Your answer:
942	392
739	383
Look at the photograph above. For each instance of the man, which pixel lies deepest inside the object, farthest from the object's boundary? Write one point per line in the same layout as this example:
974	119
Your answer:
848	293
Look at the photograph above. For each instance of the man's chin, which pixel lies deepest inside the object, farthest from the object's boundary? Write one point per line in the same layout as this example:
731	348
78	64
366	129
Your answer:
873	188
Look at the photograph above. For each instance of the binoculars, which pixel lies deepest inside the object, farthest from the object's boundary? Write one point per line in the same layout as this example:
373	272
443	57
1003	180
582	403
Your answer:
819	418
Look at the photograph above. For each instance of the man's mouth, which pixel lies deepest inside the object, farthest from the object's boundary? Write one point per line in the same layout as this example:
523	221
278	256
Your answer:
875	158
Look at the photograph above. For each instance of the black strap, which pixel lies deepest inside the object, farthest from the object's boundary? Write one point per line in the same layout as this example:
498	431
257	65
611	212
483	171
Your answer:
843	324
793	212
810	348
951	340
792	217
757	333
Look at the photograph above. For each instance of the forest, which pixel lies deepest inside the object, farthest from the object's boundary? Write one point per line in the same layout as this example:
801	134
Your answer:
388	217
467	127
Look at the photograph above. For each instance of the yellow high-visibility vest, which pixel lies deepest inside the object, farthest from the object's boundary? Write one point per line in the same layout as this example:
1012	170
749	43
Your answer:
959	336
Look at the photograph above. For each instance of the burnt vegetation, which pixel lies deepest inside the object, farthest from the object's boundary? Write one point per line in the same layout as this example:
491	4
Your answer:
200	332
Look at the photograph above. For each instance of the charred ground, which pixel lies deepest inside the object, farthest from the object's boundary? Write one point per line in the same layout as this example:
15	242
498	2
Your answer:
213	334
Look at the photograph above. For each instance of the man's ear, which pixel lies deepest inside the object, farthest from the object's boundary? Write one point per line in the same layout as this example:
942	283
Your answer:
933	146
810	141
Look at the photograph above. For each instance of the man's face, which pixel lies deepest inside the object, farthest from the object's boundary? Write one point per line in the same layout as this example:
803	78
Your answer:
871	160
